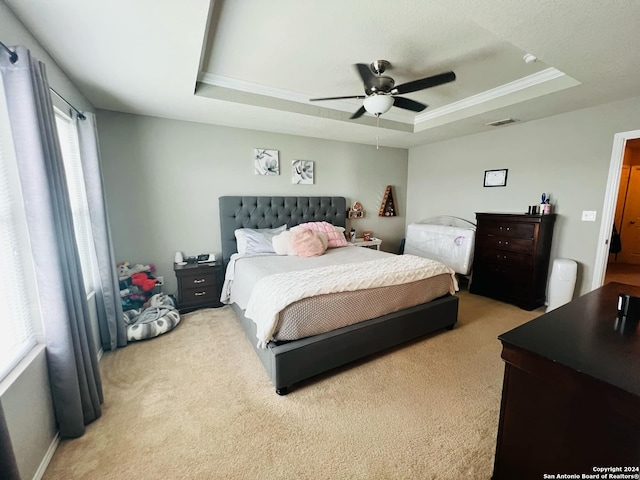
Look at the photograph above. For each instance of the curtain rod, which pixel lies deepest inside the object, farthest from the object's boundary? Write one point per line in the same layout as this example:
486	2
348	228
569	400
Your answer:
13	58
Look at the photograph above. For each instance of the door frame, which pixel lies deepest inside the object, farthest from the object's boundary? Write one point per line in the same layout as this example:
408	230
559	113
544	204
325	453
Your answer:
609	207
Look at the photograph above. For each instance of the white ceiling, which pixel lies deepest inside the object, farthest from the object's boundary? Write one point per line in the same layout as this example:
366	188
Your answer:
255	63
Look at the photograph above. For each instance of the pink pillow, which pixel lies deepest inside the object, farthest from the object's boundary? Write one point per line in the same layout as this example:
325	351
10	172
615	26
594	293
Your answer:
307	243
335	236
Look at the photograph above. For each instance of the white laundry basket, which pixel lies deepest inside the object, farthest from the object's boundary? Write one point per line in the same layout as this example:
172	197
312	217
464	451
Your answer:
562	282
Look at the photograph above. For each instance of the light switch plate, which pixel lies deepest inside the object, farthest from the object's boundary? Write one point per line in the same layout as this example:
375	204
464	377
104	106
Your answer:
588	215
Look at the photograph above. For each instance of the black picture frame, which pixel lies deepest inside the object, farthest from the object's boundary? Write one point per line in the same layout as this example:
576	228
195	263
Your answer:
496	177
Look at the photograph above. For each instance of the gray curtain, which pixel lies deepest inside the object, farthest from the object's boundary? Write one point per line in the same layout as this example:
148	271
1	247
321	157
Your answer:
71	356
8	467
109	305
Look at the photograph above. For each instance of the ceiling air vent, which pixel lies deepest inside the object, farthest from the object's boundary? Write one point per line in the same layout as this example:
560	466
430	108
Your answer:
504	121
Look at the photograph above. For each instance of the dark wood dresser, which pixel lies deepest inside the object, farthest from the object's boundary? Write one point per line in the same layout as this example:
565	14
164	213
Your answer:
571	392
511	257
199	285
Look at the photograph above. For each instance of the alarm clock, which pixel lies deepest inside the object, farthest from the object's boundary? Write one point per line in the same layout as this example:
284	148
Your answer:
206	257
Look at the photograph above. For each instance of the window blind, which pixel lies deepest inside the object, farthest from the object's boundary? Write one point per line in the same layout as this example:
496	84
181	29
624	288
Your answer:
16	327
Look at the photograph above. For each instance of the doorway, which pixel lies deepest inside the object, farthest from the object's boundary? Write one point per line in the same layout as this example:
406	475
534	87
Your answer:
621	206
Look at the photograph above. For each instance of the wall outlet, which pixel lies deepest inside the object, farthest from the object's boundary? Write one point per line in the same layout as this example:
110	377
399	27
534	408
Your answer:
160	281
588	215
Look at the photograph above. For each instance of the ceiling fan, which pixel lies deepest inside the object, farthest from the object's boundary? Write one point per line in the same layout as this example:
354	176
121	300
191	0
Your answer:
381	92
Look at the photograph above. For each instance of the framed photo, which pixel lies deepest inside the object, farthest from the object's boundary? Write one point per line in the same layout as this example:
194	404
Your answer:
266	162
302	172
495	178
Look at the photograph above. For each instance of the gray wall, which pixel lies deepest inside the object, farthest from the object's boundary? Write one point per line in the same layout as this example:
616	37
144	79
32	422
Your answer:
163	179
567	156
26	400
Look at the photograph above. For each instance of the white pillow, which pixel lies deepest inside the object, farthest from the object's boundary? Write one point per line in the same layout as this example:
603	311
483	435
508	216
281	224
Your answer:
251	240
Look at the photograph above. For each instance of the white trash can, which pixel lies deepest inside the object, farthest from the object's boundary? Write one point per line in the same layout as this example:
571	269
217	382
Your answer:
562	282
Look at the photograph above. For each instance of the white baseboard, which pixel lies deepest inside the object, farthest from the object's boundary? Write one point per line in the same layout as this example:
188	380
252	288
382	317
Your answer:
47	458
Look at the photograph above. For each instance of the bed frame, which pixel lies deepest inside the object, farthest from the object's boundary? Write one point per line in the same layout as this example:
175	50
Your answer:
288	363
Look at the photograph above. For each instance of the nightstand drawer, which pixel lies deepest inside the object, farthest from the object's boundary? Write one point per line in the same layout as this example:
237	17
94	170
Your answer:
198	280
199	295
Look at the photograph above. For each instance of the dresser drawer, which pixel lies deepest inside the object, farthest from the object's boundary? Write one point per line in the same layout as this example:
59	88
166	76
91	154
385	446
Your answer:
504	258
511	244
506	229
501	281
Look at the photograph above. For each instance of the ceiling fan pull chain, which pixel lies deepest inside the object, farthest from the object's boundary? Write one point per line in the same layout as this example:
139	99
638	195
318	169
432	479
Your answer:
377	131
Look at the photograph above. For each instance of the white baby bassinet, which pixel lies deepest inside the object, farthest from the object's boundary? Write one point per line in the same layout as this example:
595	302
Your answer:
449	240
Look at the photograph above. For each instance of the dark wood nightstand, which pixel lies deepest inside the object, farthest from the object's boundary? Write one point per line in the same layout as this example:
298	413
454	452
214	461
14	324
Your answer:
199	285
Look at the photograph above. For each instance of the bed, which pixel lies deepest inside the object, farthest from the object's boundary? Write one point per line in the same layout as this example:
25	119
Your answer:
289	362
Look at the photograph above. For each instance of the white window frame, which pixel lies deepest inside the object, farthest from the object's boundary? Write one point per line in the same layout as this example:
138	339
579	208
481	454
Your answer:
70	146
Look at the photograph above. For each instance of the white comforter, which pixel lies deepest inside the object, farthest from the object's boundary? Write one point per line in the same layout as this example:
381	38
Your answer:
273	293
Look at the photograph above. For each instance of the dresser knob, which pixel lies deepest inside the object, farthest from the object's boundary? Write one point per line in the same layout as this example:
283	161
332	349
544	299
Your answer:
199	294
201	280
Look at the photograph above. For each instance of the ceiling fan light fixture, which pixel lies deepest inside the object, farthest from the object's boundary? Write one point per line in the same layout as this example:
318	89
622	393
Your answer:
378	104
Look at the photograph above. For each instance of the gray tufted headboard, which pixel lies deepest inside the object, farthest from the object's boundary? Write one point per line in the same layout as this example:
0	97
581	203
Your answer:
271	212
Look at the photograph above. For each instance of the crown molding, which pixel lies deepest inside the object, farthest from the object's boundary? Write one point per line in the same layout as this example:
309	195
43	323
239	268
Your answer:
249	87
507	89
257	89
510	88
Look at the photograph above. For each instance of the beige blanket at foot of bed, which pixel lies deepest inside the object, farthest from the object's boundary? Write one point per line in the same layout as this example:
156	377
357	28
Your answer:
275	292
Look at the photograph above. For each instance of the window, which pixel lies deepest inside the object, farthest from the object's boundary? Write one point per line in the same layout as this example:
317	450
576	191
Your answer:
68	135
16	309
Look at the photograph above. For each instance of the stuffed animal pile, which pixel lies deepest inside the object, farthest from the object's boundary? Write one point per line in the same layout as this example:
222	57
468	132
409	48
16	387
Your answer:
137	284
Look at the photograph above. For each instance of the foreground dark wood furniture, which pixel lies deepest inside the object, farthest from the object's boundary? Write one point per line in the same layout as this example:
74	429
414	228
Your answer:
571	393
511	257
291	362
199	285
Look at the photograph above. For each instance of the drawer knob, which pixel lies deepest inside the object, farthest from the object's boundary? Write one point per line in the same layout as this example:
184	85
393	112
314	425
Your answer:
201	280
199	294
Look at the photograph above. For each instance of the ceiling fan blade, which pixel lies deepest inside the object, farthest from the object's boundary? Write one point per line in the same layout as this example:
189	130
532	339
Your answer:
408	104
368	78
358	113
423	83
336	98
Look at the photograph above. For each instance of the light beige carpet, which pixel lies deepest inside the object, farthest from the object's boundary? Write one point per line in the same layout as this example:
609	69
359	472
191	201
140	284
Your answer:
196	403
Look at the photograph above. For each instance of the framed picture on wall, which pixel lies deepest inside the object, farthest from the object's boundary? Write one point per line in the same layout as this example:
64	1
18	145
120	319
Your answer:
266	162
302	172
495	178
